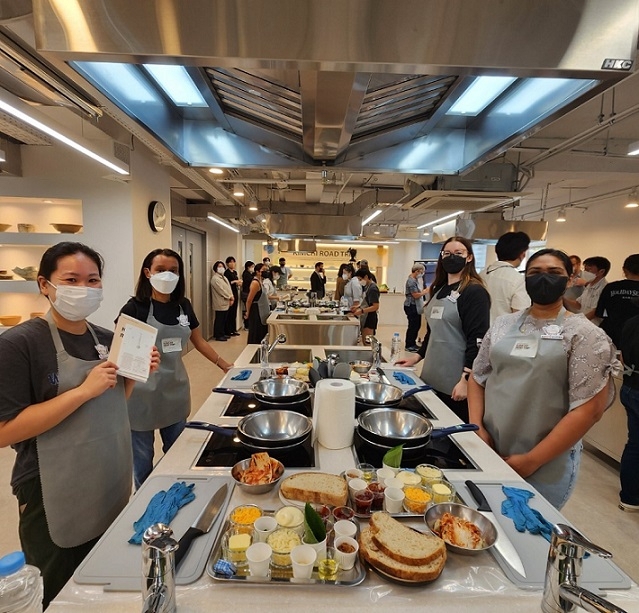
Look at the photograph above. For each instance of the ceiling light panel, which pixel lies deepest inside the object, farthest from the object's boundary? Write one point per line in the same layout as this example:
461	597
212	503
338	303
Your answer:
176	84
480	94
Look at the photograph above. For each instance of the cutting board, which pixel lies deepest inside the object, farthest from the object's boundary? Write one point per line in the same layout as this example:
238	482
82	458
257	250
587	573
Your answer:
254	377
117	565
598	573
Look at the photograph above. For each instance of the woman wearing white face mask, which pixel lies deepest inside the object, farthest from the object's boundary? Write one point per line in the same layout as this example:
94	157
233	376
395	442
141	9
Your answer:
164	402
63	410
352	288
222	298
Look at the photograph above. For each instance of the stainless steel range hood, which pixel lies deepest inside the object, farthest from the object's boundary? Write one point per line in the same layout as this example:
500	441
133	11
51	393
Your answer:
329	227
487	228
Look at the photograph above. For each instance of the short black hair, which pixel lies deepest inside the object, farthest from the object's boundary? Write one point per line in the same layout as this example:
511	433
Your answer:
319	264
599	262
215	265
282	260
511	245
276	269
248	264
631	264
560	255
143	289
230	259
363	272
49	260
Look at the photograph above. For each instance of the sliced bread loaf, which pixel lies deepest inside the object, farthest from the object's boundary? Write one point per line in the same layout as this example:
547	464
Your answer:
408	572
322	488
401	543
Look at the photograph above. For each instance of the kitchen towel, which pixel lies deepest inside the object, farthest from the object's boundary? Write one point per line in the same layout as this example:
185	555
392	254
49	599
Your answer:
334	413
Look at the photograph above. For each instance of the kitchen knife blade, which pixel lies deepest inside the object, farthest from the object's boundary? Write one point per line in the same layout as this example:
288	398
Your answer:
202	524
503	544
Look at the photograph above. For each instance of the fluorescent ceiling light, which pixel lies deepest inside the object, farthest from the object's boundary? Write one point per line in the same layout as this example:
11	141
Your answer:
222	223
176	84
444	218
125	81
632	201
633	148
372	216
480	94
561	216
28	115
3	156
238	191
216	171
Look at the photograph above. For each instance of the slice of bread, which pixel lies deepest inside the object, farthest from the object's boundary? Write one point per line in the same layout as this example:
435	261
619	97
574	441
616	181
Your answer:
407	572
403	544
322	488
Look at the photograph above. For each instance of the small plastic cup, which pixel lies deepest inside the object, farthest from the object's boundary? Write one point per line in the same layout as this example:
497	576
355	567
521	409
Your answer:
344	527
385	473
262	527
303	559
346	549
343	513
363	501
355	485
328	565
323	511
353	473
395	470
368	471
259	559
393	500
394	482
377	489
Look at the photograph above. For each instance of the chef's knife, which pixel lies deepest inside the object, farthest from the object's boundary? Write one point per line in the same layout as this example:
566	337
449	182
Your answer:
202	524
503	544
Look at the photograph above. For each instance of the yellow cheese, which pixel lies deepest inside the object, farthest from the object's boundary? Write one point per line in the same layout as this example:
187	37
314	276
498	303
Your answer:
239	542
440	489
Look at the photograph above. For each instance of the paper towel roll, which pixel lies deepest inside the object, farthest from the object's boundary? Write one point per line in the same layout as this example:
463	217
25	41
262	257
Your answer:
334	412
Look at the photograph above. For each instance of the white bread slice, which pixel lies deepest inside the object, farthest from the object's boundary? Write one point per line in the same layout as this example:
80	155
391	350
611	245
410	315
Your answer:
407	572
403	544
322	488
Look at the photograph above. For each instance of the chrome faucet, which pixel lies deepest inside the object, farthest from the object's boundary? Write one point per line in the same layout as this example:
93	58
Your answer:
265	352
562	593
280	338
376	349
158	570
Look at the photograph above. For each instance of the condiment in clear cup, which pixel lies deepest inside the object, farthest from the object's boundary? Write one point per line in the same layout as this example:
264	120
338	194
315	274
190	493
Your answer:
363	500
328	565
243	517
408	477
343	513
368	471
417	498
377	489
443	491
290	517
429	472
282	542
234	546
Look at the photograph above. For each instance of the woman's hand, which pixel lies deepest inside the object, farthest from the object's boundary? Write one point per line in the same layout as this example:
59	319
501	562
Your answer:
225	366
484	435
155	359
410	360
100	379
245	315
460	391
522	464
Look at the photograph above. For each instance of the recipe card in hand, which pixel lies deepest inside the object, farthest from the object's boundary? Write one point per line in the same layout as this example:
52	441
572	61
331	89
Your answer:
133	342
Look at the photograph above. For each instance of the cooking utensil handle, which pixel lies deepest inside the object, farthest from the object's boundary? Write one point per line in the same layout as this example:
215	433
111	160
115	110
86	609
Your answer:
383	376
421	388
479	497
234	392
203	425
185	543
442	432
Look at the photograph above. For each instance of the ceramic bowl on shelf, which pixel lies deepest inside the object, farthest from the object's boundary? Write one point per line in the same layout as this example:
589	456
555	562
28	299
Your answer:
67	228
4	226
30	273
9	320
26	227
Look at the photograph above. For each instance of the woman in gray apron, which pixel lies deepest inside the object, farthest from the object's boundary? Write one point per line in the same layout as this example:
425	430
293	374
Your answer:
63	410
541	379
256	322
164	402
457	315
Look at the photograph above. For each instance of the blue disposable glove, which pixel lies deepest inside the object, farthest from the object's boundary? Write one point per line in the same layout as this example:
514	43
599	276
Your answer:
162	508
243	375
526	519
403	378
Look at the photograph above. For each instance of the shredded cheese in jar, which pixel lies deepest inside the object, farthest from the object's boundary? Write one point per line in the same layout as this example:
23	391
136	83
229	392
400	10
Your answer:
245	515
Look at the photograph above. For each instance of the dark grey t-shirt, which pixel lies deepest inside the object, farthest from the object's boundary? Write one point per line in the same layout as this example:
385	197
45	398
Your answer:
29	375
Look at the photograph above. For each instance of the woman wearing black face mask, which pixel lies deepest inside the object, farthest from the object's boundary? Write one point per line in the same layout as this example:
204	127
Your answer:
541	379
458	315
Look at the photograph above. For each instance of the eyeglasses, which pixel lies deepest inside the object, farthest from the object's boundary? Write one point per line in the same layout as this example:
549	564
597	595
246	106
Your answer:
446	254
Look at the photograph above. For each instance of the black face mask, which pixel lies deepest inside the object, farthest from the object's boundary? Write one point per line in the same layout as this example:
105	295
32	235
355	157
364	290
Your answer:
544	288
454	263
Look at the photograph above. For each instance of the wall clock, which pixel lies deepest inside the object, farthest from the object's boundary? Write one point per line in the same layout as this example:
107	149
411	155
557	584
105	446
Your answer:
157	216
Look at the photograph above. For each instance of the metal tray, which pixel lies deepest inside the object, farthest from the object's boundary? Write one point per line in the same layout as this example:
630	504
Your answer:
281	576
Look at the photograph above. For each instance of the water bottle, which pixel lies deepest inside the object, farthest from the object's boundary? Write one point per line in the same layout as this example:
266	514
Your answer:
21	588
396	348
343	304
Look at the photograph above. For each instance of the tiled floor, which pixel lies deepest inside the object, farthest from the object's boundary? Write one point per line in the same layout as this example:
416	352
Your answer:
592	508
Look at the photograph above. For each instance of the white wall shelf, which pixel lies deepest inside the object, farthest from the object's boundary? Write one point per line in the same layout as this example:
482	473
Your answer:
18	286
36	239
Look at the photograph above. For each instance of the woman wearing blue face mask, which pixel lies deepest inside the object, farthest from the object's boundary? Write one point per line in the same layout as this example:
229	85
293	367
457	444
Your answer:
164	402
541	379
63	410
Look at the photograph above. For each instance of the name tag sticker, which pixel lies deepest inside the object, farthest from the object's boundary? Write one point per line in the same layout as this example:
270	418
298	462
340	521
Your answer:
170	345
525	348
553	332
437	312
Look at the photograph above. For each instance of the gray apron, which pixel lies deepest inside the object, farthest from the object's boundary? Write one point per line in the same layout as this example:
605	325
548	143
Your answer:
526	397
165	398
446	351
85	461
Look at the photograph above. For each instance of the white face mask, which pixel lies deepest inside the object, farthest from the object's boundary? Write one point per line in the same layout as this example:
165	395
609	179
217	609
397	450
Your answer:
220	269
276	277
76	302
345	276
164	282
588	276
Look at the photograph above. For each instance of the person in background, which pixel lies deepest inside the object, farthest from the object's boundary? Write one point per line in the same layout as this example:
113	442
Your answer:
458	315
270	282
163	402
222	299
285	274
412	309
369	305
502	280
247	277
576	283
629	396
318	280
257	330
63	410
266	261
619	300
230	328
340	283
542	378
594	274
353	288
364	264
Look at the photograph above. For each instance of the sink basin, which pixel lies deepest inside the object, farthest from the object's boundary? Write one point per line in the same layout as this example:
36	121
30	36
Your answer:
332	317
353	355
289	316
285	354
